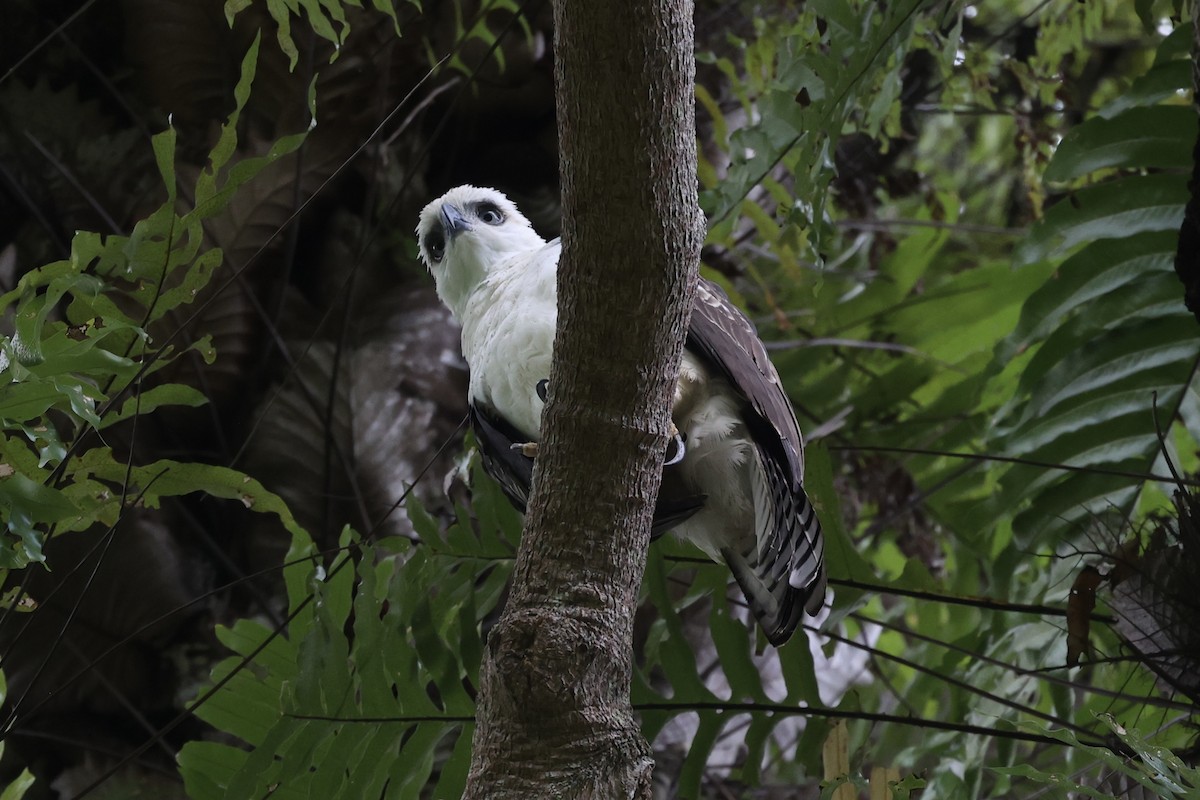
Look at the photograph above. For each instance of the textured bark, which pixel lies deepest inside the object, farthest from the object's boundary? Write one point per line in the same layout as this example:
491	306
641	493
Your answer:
554	718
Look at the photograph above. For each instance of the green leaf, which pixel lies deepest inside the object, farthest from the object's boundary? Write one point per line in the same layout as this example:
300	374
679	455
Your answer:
734	642
1157	137
149	400
389	8
1072	506
1112	210
799	672
842	558
454	771
26	402
758	736
206	184
711	723
235	7
676	656
1096	270
368	769
194	278
19	494
266	771
1042	436
1156	769
1164	81
29	508
163	144
1110	358
166	478
216	185
207	768
411	769
342	743
19	786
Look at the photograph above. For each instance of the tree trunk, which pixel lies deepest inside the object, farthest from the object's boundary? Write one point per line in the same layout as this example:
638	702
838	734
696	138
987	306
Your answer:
553	717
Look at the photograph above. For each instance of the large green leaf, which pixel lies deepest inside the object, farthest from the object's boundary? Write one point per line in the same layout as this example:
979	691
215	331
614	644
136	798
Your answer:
1108	334
1113	210
1095	271
1156	137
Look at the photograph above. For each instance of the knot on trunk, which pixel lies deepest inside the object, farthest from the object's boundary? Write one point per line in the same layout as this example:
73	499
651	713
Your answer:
558	659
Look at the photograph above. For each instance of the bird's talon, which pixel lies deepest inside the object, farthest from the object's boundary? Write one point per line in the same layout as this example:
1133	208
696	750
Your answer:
543	389
527	449
676	448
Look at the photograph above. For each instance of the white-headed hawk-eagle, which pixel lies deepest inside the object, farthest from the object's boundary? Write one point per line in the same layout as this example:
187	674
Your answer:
736	492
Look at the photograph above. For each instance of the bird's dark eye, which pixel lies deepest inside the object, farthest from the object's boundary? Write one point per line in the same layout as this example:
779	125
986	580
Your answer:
435	245
490	213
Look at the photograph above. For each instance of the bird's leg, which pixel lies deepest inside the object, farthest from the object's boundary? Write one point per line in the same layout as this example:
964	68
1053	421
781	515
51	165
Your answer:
688	393
527	449
530	449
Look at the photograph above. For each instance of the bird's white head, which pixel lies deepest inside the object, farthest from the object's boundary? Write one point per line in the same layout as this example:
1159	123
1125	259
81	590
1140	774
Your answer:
467	232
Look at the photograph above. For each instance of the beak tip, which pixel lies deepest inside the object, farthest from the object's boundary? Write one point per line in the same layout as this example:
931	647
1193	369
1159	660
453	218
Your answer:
453	220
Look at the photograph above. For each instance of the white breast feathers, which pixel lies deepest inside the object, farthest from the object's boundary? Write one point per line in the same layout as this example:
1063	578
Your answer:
508	336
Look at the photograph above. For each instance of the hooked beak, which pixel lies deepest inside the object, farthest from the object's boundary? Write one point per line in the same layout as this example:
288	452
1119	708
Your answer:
453	221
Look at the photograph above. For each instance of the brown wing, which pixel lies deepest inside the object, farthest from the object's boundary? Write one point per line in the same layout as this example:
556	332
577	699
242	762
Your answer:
787	574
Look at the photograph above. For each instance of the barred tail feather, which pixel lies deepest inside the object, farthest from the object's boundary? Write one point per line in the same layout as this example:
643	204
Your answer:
778	608
782	569
807	572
